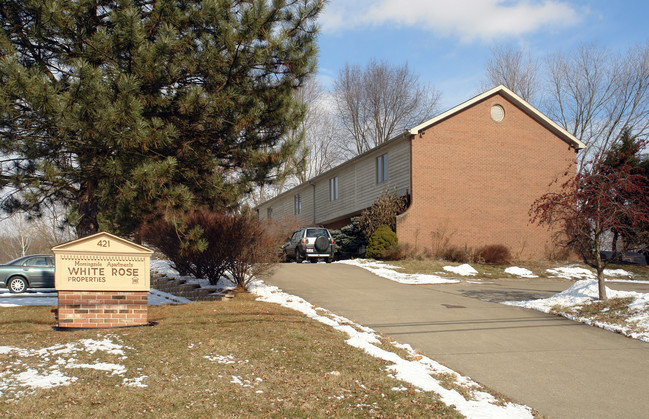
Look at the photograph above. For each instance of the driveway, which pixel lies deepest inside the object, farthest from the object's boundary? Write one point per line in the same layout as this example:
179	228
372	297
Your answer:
561	368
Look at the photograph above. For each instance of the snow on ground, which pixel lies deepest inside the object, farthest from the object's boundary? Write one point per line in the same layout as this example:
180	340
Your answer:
34	297
416	370
576	272
586	291
520	272
49	297
464	270
164	267
25	370
388	271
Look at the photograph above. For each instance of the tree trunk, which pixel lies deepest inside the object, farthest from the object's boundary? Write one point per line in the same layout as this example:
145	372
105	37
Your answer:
601	286
616	235
88	209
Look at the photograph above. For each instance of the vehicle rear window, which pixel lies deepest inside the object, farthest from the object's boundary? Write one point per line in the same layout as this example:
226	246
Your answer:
315	232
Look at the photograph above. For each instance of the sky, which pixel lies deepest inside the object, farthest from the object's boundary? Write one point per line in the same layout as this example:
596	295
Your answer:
447	43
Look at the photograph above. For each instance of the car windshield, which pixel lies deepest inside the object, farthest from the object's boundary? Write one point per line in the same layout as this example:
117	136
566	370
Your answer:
315	232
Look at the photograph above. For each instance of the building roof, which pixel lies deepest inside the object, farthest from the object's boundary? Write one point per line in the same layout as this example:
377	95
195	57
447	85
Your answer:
502	90
400	137
516	100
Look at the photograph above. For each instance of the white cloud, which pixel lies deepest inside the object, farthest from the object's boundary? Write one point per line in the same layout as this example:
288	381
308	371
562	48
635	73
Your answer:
467	19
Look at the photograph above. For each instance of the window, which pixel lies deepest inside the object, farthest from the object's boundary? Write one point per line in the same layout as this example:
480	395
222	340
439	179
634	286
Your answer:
298	204
269	213
333	188
38	261
316	232
382	168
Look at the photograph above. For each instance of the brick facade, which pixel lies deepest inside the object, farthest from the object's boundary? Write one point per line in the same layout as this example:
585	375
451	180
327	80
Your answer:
93	309
474	180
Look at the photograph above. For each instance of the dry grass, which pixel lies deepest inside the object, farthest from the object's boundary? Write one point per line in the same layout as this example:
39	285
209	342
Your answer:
612	311
286	366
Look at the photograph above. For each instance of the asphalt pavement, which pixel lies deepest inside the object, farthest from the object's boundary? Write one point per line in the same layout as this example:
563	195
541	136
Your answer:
561	368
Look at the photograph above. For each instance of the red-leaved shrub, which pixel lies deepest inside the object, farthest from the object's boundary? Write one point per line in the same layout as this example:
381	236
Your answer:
210	244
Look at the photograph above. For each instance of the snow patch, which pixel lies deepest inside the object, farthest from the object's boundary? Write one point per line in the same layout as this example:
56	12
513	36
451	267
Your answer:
576	272
585	291
520	272
387	271
19	378
464	270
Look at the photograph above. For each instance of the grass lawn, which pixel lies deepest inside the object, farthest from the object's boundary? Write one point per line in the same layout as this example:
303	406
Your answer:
240	358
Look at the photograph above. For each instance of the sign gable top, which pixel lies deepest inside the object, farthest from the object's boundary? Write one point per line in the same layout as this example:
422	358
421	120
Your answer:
102	243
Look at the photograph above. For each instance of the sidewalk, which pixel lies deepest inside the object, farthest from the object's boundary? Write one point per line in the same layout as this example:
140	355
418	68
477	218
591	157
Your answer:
561	368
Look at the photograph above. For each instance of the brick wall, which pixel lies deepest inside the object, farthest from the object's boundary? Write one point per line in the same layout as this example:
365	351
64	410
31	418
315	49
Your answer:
474	181
102	308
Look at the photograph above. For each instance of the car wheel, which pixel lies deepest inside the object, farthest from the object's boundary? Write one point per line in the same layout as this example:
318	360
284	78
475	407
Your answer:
17	285
328	260
298	257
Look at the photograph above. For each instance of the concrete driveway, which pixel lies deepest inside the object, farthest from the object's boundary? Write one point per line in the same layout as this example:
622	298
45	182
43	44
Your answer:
561	368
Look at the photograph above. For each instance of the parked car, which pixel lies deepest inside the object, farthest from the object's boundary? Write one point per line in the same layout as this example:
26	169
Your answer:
33	271
632	258
310	243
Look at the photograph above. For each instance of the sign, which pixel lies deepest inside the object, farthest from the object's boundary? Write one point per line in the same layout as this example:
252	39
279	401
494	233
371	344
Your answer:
101	262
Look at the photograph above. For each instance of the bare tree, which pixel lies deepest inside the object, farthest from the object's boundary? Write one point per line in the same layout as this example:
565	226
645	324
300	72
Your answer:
591	92
515	69
596	95
313	145
18	236
377	102
22	234
320	148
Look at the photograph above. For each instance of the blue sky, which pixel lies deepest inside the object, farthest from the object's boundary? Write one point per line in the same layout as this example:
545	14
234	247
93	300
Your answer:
447	42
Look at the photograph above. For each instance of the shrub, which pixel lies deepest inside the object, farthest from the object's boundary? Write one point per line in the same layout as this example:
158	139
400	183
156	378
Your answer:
495	254
208	244
395	252
383	211
457	254
382	239
349	239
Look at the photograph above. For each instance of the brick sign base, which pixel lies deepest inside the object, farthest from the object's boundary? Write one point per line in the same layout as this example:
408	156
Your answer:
83	309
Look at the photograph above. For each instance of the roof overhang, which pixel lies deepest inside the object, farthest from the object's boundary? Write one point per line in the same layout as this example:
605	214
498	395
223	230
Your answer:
516	100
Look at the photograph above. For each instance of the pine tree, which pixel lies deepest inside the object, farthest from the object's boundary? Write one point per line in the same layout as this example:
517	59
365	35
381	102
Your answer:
130	109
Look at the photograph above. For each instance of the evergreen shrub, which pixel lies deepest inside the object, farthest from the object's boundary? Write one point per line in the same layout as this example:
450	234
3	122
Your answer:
350	240
382	239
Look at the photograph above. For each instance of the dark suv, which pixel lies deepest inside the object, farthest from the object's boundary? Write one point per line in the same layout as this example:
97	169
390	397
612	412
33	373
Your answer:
310	243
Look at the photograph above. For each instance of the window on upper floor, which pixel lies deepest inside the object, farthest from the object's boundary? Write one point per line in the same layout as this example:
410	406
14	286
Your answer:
333	188
298	204
269	213
382	168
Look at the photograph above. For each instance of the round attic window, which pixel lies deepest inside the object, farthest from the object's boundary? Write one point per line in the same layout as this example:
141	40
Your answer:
497	113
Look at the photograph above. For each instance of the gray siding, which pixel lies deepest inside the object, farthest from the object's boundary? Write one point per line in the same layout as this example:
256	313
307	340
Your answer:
357	187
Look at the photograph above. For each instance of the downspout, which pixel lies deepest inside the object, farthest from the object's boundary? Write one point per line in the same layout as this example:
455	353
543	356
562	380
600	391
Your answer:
313	184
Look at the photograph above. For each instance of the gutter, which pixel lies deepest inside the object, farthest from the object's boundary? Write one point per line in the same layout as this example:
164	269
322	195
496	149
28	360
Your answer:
313	184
